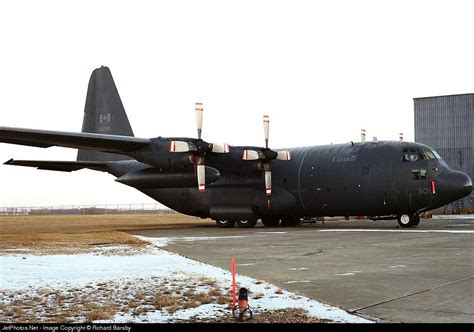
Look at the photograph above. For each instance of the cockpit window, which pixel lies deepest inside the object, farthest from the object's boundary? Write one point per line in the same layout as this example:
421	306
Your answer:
409	155
412	154
436	154
427	155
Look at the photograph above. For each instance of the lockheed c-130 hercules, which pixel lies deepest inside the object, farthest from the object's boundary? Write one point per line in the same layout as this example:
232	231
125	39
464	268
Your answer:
241	184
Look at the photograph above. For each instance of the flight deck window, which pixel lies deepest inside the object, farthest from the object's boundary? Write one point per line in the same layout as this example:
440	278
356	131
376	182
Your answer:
427	155
410	155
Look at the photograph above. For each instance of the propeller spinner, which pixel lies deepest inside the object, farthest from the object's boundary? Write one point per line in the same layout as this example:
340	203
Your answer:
266	155
198	148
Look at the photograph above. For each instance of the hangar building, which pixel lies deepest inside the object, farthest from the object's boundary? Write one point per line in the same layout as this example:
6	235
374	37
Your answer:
446	123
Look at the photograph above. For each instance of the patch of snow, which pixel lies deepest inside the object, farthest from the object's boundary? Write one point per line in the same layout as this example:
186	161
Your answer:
164	241
348	273
453	216
296	281
163	316
267	232
83	270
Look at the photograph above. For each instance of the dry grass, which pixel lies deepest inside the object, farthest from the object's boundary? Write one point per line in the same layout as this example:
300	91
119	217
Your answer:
73	234
97	312
166	300
224	300
215	292
191	304
203	298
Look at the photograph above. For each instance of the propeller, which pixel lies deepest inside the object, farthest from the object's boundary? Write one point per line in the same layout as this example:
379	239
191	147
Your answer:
199	148
266	155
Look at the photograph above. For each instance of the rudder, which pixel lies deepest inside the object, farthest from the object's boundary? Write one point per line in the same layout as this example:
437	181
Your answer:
103	114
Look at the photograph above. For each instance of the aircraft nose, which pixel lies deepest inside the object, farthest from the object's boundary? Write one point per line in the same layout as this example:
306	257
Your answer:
468	185
453	185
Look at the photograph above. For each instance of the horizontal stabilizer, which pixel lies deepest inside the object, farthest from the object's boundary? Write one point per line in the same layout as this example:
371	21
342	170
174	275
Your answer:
87	141
62	166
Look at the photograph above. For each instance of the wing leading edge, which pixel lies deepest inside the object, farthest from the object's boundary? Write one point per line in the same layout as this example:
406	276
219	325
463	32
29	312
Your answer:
86	141
62	166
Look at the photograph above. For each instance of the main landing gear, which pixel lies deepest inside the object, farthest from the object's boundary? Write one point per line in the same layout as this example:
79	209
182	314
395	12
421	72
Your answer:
229	223
252	221
408	220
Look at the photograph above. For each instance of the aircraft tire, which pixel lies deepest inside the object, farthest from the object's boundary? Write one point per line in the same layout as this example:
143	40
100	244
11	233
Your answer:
270	221
225	223
290	221
247	223
407	220
417	220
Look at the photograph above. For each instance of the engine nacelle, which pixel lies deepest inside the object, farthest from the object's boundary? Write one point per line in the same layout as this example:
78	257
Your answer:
150	178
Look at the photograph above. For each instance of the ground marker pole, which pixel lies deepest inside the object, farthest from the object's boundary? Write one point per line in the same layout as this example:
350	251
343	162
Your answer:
233	282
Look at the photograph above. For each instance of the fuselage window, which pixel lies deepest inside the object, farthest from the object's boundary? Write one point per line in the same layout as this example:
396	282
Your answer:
418	174
422	174
415	174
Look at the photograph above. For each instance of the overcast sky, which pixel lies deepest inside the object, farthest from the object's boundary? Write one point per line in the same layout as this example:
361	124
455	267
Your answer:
321	69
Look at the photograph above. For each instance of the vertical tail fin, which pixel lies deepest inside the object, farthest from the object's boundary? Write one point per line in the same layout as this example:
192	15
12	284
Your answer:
104	114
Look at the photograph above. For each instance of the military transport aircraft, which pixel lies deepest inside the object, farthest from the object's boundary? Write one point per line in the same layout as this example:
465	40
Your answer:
241	184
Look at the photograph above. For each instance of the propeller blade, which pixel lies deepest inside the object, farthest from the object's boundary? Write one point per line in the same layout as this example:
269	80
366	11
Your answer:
220	148
266	129
268	183
250	155
199	111
284	155
201	173
179	146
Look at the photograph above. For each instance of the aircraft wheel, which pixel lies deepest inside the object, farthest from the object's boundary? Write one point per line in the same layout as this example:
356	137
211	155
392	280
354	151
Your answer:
247	223
270	221
416	220
407	220
225	223
290	221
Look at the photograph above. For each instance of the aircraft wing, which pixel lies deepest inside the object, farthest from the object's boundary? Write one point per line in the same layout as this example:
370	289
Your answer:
86	141
63	166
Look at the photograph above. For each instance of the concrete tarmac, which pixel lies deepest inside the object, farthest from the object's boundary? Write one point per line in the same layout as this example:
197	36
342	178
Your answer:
373	269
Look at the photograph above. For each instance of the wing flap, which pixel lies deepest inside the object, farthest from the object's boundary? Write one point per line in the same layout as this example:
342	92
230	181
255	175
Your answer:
62	166
86	141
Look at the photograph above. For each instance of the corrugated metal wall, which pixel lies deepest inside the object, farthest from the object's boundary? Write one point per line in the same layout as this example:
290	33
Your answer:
446	123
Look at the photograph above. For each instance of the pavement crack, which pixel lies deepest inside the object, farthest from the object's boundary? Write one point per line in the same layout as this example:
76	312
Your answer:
410	294
313	253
